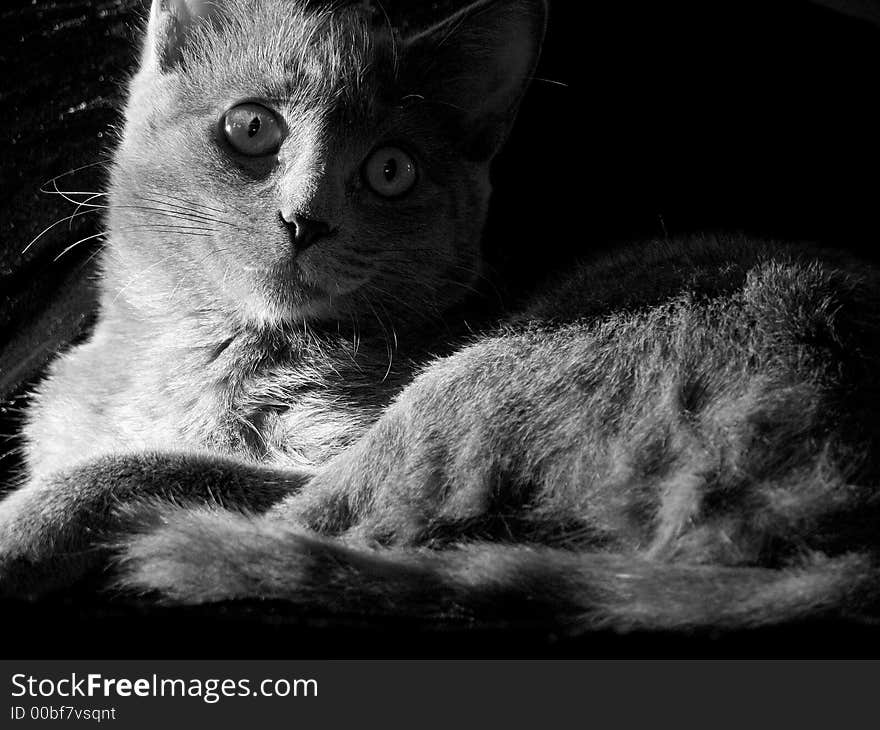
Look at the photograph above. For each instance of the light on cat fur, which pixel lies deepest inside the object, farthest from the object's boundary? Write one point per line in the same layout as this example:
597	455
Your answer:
295	391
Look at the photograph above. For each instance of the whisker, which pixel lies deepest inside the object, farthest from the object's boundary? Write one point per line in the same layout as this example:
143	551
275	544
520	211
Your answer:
189	216
550	81
77	243
179	210
97	250
189	211
385	334
182	230
81	205
395	299
196	204
49	228
64	194
53	181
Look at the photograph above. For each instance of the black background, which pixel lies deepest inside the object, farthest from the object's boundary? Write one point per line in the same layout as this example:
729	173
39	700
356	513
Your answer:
648	120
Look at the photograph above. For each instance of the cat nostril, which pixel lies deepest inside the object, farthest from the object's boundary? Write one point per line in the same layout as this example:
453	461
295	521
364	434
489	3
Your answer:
304	231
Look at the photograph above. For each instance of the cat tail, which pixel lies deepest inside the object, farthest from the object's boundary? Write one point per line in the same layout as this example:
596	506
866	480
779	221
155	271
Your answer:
203	555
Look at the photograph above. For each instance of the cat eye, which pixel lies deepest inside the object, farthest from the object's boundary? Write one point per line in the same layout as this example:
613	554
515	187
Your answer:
253	130
390	172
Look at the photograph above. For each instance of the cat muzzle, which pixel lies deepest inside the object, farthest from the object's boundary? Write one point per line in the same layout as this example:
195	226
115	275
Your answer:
305	232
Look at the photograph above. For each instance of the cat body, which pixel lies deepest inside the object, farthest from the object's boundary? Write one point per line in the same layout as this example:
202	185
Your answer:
295	390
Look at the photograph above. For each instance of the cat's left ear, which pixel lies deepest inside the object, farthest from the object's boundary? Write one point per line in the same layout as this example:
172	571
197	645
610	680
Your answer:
171	26
478	62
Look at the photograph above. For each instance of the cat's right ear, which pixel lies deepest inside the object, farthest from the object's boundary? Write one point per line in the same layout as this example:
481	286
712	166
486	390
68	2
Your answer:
477	64
170	27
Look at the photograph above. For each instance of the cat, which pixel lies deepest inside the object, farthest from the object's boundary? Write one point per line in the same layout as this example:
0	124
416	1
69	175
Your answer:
296	391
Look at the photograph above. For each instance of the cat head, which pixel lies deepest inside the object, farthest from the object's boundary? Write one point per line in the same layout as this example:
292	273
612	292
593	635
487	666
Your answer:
298	159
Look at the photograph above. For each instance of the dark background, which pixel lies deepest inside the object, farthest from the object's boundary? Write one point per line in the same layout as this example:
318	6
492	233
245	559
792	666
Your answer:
648	119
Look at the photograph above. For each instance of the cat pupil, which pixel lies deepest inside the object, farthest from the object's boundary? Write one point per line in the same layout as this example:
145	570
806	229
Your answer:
390	170
254	126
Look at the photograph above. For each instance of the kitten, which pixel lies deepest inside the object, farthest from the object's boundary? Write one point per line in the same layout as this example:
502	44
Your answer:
293	393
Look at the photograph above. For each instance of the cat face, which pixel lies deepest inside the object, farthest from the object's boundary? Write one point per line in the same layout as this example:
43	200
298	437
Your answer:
295	160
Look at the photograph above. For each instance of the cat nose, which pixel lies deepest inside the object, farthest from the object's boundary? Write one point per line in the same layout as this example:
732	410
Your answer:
305	231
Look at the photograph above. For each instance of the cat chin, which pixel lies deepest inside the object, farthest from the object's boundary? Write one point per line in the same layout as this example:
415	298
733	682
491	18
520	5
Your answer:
303	304
263	314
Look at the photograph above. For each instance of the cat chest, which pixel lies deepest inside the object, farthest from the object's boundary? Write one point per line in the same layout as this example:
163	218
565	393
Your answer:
255	403
275	419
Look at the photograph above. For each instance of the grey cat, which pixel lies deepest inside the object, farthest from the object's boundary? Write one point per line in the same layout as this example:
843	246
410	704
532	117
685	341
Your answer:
290	395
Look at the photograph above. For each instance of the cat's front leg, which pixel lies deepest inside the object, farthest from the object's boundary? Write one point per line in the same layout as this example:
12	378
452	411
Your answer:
54	529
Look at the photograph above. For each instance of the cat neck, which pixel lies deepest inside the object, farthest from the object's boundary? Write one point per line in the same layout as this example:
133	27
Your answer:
196	339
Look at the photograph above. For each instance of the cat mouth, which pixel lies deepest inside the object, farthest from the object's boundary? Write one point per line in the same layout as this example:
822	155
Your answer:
300	292
302	286
290	277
